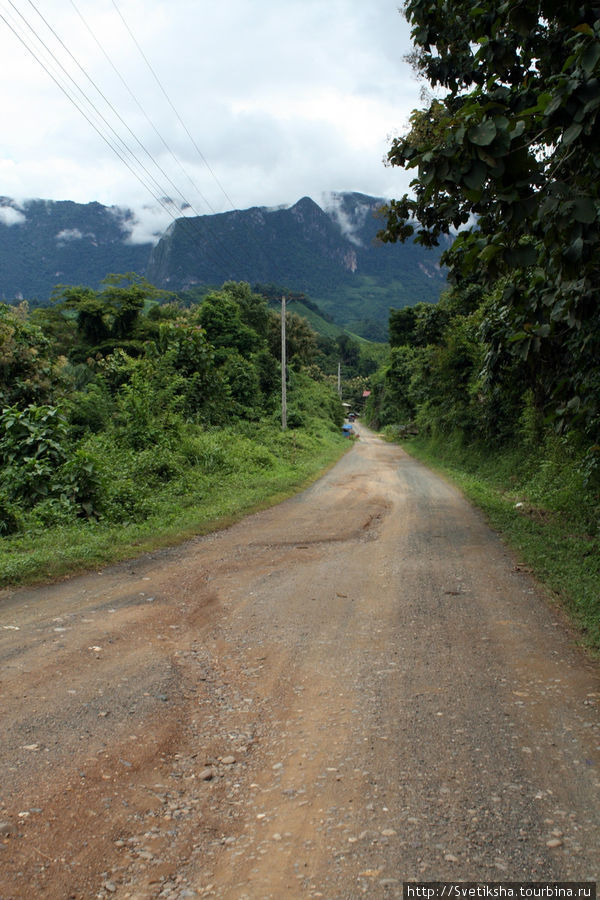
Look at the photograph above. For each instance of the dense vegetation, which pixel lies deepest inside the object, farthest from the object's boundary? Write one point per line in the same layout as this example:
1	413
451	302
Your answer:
502	378
126	415
510	155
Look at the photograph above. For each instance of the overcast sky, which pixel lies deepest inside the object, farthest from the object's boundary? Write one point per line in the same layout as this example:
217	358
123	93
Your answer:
252	102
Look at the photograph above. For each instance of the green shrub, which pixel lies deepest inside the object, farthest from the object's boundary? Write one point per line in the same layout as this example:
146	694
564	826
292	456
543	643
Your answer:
159	464
126	501
33	446
257	456
11	515
295	419
90	409
208	451
52	512
83	483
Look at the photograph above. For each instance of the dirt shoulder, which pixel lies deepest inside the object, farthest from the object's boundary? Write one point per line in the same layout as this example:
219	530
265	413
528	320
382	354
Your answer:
355	688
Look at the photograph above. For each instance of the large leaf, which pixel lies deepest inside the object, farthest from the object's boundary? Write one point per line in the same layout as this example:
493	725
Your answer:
584	210
574	252
590	56
488	253
523	256
572	133
476	176
483	134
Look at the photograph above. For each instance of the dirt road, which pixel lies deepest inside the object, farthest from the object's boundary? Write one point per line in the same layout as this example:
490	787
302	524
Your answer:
355	688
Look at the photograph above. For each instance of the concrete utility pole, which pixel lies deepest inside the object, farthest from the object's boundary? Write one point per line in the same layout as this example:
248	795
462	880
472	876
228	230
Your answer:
340	380
283	369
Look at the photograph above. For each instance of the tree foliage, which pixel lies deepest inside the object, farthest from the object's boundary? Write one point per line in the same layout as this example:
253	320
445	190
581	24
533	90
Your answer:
508	154
26	367
93	434
108	318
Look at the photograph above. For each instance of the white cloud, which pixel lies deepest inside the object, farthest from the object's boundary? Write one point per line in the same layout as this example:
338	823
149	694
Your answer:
332	203
9	215
68	234
146	224
281	99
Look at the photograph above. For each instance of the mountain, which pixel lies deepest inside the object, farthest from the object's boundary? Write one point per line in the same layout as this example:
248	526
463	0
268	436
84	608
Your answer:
328	252
331	254
45	242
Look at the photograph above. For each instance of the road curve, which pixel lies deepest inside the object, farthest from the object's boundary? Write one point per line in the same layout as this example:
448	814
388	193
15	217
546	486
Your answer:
353	689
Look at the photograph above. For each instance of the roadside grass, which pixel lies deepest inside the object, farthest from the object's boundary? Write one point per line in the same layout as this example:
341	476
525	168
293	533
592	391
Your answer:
538	501
235	473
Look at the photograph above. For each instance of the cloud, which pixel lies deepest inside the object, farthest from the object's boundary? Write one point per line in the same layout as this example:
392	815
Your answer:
69	234
9	215
144	225
279	101
333	204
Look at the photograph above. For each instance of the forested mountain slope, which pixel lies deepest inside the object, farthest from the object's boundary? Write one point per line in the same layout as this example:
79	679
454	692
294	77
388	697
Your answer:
328	252
331	254
44	243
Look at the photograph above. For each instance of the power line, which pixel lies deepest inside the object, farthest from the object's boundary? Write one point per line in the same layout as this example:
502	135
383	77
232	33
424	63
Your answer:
112	108
72	100
168	99
93	109
157	191
159	187
142	110
210	241
153	186
179	118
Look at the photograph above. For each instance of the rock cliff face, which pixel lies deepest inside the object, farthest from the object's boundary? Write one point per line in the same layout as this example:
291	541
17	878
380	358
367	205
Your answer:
327	251
296	247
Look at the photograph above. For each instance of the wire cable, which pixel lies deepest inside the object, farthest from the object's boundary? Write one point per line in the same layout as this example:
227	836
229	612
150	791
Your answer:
183	199
91	111
168	99
72	100
153	186
141	108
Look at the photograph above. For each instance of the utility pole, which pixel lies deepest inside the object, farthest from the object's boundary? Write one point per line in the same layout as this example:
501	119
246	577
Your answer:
340	380
283	369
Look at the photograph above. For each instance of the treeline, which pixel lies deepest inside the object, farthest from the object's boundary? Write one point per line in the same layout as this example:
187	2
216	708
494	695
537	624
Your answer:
459	378
457	368
115	398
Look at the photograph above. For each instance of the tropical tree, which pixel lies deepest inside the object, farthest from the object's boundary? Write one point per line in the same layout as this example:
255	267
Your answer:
221	317
507	153
109	317
301	341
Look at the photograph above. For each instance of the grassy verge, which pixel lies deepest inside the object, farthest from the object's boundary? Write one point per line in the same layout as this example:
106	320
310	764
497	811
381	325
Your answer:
235	474
539	503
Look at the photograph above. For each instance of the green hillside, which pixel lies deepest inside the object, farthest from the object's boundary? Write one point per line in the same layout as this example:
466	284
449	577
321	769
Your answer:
44	243
331	255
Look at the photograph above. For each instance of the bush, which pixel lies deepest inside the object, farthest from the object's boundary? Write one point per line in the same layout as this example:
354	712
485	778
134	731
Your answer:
125	500
83	483
207	450
158	465
33	447
90	410
11	515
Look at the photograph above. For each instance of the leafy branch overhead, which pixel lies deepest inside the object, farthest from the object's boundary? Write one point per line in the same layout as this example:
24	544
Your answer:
507	154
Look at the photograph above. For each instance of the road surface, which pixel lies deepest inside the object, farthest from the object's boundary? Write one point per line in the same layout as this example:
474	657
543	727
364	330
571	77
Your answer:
353	689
